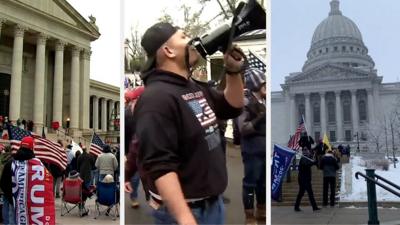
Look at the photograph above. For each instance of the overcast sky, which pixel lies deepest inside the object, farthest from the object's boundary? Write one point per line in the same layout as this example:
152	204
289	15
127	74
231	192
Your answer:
106	63
294	22
146	13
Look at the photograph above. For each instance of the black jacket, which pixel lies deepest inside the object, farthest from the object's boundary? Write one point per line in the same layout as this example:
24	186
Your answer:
329	165
84	166
5	182
176	126
305	173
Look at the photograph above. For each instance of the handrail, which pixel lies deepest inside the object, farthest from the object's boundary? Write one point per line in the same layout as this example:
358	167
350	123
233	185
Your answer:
379	184
387	181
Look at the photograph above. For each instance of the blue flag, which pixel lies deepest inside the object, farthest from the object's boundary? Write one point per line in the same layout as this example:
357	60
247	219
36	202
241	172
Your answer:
280	164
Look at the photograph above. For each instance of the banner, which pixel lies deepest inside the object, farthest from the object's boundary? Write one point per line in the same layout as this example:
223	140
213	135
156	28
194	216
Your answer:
280	164
33	193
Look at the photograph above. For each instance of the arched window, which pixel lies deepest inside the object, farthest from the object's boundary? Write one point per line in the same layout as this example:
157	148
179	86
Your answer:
316	113
331	112
362	110
302	111
346	111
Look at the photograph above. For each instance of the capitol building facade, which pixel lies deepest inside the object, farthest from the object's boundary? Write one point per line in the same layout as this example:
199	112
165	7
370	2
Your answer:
338	91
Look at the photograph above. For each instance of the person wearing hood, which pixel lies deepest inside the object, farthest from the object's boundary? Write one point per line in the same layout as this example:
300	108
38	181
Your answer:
252	126
176	125
329	165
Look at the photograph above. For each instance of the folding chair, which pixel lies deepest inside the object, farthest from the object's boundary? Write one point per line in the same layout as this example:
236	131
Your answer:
107	199
72	194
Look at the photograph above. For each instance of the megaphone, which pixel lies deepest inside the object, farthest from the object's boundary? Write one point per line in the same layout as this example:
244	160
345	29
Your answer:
248	16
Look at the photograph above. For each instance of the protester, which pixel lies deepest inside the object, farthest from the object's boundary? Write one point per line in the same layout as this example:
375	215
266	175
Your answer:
329	164
132	178
252	124
16	181
84	165
304	179
7	209
74	161
106	163
180	151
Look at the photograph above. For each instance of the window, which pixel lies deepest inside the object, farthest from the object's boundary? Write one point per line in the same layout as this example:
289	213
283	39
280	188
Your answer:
302	111
343	48
362	110
320	51
364	136
332	135
335	48
346	111
351	48
316	113
317	136
326	50
347	135
331	112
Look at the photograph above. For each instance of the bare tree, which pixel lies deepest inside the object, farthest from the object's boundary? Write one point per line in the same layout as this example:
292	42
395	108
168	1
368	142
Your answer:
375	134
135	51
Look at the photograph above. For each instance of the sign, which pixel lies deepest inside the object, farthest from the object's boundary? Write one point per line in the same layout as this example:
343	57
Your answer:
280	164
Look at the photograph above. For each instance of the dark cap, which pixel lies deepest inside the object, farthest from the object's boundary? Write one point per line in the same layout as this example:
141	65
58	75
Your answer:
153	39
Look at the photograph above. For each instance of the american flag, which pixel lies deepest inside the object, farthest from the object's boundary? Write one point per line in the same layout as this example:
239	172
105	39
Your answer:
294	140
203	112
96	147
255	62
44	149
15	135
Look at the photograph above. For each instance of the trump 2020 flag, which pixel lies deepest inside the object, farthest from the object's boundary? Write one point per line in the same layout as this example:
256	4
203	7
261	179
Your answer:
280	164
32	193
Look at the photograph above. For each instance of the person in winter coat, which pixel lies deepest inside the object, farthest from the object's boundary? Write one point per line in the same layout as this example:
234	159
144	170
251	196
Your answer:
329	165
84	165
252	125
106	163
304	179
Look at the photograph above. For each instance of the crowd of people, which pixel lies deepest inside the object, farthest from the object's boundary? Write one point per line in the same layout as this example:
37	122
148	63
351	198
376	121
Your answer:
325	158
175	132
80	165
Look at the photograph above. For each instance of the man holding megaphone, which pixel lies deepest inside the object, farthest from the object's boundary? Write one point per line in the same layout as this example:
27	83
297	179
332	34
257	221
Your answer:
180	156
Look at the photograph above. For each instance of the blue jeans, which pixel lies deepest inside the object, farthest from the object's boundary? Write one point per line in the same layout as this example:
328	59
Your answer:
135	181
253	180
8	212
211	213
95	176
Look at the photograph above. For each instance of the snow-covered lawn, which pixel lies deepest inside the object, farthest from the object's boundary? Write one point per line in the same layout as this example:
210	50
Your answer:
357	190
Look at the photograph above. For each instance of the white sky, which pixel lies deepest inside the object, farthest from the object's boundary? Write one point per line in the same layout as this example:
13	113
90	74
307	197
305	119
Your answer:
106	60
146	13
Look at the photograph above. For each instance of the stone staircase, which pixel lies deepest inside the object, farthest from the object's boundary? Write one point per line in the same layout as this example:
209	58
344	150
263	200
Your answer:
290	189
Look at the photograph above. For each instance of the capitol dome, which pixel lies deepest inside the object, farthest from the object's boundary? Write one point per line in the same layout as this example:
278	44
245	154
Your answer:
338	40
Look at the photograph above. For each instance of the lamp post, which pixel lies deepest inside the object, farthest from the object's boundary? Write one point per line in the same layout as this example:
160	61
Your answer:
358	142
68	120
6	93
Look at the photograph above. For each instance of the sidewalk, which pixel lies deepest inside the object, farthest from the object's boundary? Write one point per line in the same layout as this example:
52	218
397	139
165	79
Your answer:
74	218
286	215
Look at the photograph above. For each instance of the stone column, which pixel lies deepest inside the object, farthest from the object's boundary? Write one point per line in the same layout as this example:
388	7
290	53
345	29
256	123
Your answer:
16	73
2	21
371	114
323	114
85	86
38	105
95	113
110	113
58	82
292	114
354	111
103	114
339	120
74	89
308	113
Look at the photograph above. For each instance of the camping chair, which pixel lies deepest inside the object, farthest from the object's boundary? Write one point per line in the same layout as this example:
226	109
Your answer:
72	194
107	199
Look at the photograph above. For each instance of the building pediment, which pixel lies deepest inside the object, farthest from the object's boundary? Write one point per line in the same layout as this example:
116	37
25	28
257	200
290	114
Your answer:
61	12
330	73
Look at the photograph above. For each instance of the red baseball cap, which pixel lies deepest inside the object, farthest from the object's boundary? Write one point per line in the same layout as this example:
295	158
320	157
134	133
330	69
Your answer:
27	142
134	94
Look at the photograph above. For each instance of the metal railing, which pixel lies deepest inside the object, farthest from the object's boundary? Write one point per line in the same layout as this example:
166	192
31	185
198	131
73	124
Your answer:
372	180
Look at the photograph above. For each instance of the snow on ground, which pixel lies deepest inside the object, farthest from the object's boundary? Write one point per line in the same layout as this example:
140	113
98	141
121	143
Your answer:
357	191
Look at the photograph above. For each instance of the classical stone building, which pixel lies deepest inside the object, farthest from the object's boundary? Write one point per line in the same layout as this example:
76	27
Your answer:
338	90
45	66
